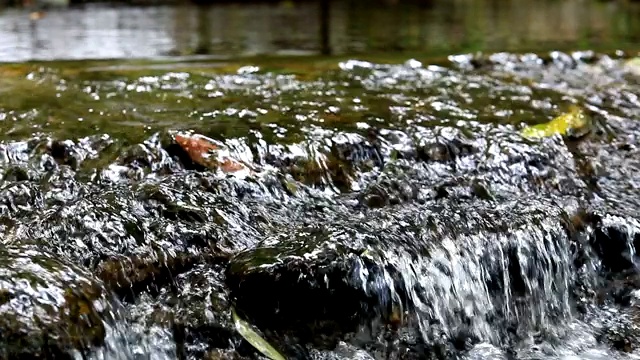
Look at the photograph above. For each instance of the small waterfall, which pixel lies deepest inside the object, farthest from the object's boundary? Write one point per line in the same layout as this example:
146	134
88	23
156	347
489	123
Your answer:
126	341
478	275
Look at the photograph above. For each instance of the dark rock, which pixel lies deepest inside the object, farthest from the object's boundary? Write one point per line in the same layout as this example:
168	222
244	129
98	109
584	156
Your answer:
390	191
309	265
619	328
358	152
73	154
195	311
20	199
444	150
224	355
141	238
153	154
49	309
615	240
462	167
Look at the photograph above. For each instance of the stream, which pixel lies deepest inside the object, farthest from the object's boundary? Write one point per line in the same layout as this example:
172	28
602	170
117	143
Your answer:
363	210
473	206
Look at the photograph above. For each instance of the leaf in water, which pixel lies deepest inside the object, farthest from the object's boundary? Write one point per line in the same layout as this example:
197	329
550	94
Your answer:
198	147
572	121
202	149
248	333
36	15
290	185
633	66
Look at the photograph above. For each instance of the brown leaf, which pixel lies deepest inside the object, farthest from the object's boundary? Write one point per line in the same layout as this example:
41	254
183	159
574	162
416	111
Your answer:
229	165
197	147
36	15
204	152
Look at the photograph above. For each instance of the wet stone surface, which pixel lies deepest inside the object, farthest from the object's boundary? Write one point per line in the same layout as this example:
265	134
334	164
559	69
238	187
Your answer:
50	309
361	211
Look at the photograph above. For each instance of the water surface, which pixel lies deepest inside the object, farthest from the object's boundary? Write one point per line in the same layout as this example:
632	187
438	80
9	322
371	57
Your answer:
347	27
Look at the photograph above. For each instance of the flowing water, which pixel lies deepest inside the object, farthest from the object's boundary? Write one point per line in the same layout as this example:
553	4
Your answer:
359	210
387	208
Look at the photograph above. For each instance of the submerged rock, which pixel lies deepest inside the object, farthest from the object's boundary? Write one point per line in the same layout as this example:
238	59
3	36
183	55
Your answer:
49	309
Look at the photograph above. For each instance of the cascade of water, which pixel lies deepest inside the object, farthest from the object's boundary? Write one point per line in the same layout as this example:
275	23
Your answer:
486	283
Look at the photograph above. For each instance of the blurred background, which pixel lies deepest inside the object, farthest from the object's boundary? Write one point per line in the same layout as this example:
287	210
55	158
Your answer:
81	29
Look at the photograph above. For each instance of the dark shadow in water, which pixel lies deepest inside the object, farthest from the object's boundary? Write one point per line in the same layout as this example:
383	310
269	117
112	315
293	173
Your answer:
435	27
325	27
204	30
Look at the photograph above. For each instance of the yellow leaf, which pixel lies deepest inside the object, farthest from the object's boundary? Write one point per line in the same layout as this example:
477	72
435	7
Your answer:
574	120
248	333
633	66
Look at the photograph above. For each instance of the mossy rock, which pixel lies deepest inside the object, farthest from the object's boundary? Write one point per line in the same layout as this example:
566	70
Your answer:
48	309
